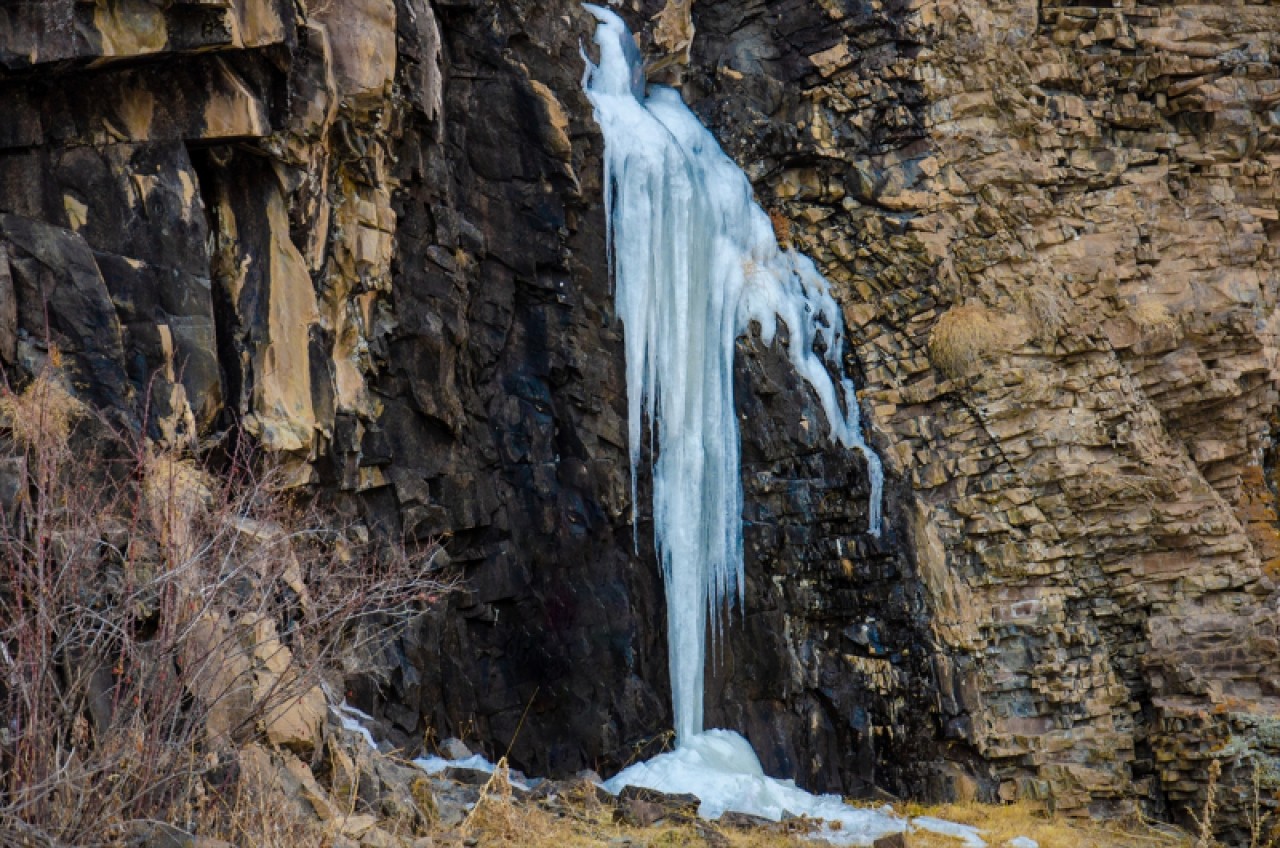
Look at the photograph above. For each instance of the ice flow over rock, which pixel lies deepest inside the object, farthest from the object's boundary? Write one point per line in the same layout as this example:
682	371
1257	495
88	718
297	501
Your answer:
695	263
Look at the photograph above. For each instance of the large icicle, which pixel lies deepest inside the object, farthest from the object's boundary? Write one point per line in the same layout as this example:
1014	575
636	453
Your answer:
695	262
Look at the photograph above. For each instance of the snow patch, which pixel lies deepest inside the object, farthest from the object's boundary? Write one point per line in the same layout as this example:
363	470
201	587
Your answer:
970	836
476	762
353	719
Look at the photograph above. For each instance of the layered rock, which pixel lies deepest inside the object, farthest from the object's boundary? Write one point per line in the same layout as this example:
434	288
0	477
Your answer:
371	241
1052	226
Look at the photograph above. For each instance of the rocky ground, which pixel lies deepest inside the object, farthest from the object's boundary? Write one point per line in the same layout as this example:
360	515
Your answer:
353	796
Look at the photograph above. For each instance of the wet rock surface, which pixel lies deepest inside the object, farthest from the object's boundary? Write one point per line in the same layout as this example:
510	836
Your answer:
373	243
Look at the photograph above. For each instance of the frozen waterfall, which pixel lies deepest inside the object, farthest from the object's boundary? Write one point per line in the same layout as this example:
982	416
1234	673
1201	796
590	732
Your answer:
695	262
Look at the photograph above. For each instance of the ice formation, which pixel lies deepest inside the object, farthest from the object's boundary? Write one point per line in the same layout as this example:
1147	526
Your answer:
695	263
354	720
475	762
720	768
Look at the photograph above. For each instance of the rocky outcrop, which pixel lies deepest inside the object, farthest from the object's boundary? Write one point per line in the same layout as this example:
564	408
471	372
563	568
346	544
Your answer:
1052	228
371	241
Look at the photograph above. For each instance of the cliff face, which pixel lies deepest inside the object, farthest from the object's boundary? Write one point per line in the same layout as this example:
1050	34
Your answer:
368	236
1054	229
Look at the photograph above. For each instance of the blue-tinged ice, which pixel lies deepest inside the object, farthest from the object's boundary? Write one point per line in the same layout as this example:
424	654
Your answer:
695	262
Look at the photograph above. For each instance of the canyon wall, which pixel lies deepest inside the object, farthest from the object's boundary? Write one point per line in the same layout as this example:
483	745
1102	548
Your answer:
368	236
1053	227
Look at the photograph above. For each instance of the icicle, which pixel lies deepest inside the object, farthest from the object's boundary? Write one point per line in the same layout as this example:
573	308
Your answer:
695	262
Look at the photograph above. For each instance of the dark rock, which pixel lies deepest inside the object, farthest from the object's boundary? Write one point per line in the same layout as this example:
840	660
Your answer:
745	821
62	299
640	806
638	813
467	776
454	749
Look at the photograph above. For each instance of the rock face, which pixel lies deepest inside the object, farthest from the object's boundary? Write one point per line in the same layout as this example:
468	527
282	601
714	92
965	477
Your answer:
368	237
1053	226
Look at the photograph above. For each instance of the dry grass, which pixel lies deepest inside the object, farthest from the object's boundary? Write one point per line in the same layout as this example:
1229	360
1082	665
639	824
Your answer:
963	337
44	411
501	820
153	617
1002	822
1152	316
1046	312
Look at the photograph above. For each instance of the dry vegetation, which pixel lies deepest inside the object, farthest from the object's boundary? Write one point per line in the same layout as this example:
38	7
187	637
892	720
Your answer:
1152	316
153	618
1046	311
502	821
1003	822
963	337
160	627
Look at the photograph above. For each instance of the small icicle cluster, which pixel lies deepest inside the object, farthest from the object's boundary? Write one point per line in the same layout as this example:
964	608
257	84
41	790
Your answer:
695	262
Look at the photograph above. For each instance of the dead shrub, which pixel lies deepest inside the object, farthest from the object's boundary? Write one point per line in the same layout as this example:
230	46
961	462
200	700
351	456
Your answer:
153	616
963	337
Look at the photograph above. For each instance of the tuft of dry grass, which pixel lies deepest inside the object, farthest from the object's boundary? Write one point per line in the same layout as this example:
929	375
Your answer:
1152	316
44	411
963	337
1046	312
503	821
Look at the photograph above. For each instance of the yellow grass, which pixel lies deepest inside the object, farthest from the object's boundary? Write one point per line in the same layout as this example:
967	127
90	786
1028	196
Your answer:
500	820
1045	311
43	412
963	337
1152	316
1000	823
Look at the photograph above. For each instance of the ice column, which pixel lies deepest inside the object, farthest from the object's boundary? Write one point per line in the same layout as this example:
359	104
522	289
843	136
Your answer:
695	262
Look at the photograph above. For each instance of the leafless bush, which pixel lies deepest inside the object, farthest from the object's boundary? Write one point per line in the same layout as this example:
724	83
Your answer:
152	615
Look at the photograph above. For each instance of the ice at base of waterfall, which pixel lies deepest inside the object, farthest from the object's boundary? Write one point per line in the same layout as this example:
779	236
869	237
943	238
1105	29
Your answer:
721	769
